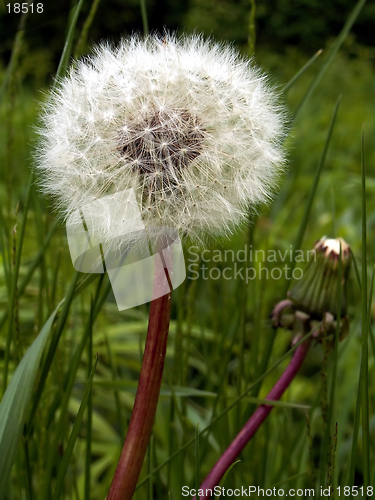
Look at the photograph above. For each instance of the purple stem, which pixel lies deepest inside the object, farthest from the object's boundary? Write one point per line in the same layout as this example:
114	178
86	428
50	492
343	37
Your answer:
253	424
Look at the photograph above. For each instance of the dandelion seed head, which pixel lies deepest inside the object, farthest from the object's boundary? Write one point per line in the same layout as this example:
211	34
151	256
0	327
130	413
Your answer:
190	126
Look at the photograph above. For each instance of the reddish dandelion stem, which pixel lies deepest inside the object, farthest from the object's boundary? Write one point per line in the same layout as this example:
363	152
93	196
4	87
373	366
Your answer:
253	424
142	419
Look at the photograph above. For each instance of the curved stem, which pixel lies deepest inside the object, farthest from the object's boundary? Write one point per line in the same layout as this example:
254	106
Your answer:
142	419
253	424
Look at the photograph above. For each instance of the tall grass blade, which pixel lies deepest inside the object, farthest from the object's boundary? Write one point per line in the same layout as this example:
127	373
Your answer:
353	454
15	402
14	281
30	271
357	275
326	443
370	332
144	17
222	482
16	51
4	254
196	462
365	328
299	73
84	32
252	30
310	200
54	342
68	45
331	54
89	411
63	468
113	367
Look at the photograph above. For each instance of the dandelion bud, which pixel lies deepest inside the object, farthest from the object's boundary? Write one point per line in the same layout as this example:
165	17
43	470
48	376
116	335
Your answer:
318	291
313	300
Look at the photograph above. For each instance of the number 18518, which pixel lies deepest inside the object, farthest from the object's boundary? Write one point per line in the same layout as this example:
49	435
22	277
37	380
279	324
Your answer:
19	8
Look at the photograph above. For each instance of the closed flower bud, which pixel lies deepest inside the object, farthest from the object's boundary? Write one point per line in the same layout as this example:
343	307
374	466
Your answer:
312	302
317	292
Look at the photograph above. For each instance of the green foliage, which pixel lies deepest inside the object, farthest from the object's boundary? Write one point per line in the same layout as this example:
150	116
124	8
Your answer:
15	401
306	24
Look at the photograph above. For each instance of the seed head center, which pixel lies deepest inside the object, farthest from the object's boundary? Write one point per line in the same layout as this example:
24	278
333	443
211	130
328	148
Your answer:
164	142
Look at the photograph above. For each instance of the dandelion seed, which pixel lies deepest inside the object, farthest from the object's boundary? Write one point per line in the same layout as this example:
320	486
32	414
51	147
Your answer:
190	126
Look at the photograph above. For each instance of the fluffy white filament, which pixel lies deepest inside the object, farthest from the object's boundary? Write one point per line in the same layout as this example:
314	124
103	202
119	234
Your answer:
188	124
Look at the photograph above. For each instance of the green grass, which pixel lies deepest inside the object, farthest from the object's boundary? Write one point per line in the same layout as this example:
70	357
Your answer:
223	354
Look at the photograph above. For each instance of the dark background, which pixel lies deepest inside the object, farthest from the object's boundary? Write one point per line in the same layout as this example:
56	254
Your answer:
280	24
